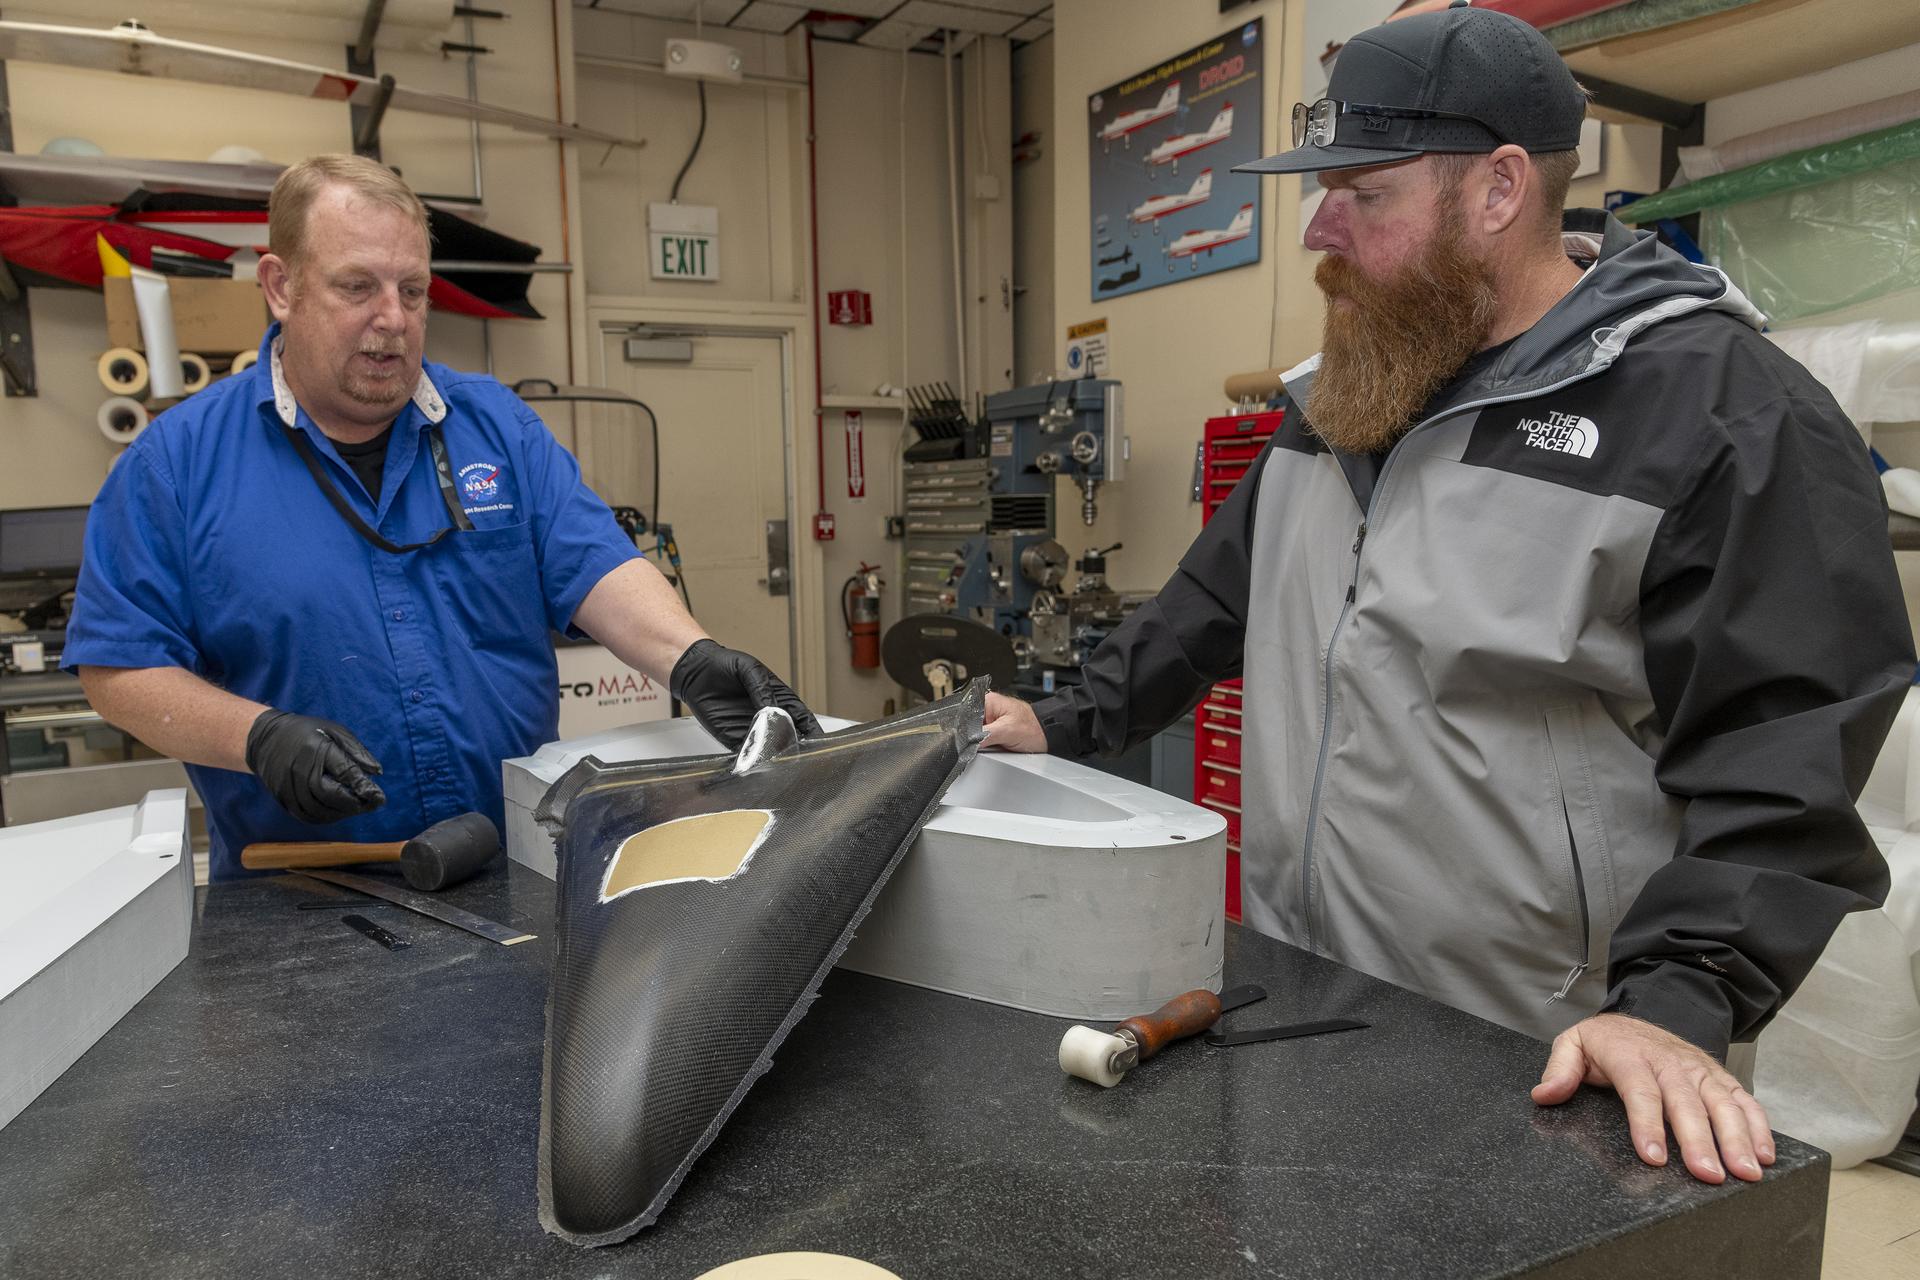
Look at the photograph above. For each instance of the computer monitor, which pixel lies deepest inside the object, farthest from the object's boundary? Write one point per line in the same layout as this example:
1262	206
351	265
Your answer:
42	541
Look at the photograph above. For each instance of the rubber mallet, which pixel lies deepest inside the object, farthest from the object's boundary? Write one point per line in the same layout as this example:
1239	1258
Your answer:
438	858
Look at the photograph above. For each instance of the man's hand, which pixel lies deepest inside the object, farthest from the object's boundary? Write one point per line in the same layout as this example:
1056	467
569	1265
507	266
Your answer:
725	689
1012	726
1658	1075
315	768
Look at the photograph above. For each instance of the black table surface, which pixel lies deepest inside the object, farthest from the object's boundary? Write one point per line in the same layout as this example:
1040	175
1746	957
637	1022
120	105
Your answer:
296	1100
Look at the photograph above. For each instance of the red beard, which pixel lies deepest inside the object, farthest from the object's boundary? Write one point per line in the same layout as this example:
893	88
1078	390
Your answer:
1398	341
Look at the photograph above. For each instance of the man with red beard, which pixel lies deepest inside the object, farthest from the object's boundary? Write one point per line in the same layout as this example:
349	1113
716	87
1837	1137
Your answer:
1564	602
329	583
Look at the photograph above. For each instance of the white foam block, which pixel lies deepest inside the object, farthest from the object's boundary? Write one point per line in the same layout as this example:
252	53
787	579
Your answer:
94	911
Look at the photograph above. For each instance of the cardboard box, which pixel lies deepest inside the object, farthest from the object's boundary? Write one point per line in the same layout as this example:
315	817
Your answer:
212	317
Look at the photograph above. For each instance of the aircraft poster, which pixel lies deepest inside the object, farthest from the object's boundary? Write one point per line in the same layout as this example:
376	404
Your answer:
1161	146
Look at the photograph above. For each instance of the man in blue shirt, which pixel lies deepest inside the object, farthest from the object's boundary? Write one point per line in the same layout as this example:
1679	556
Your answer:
327	583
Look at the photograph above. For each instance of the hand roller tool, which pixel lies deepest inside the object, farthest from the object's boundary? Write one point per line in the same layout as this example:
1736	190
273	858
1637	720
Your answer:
1105	1057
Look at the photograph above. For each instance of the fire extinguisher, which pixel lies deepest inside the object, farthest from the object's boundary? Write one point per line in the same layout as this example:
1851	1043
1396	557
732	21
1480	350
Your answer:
860	607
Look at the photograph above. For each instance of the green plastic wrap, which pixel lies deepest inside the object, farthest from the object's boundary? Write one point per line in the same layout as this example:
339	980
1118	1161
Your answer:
1812	249
1855	155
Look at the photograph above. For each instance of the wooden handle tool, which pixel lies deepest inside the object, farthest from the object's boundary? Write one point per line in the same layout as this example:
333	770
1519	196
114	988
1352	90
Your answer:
319	853
440	857
1105	1057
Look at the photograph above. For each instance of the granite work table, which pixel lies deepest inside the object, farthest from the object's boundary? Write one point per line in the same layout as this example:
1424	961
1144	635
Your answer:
296	1100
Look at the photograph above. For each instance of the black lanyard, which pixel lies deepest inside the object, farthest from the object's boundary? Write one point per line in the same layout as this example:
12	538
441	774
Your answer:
441	467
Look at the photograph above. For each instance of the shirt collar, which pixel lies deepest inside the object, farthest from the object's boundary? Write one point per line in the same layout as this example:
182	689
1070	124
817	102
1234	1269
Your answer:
426	396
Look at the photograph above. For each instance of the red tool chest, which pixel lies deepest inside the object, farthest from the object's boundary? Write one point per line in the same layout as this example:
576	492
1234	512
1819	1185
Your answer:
1229	446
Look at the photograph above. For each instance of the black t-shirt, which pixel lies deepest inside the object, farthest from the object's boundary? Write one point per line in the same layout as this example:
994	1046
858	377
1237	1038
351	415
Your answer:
368	459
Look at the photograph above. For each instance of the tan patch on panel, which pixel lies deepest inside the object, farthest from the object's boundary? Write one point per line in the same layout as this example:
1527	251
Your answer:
706	846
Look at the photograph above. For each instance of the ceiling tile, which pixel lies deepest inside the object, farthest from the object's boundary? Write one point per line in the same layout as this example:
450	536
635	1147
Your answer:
635	8
715	12
765	15
860	8
960	17
894	34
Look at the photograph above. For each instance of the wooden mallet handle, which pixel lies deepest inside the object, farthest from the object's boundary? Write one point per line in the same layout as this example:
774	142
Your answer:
286	857
1180	1017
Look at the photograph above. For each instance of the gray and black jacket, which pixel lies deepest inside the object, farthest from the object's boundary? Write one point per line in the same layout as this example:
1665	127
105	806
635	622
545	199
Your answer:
1572	714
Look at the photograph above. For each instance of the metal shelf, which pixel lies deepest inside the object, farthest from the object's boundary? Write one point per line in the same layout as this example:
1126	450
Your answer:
897	403
1698	56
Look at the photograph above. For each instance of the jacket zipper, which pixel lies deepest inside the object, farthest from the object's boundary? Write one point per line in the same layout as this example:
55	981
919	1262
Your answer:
1580	896
1326	727
1346	608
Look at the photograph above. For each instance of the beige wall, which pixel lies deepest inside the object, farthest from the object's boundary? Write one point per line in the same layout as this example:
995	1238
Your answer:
884	228
1036	347
166	119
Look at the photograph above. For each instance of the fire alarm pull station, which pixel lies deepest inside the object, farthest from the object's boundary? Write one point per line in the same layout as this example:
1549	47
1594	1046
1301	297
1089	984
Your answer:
849	306
823	526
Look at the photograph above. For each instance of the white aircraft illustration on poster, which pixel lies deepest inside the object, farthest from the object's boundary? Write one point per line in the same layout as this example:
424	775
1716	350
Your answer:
1170	151
1122	128
1194	243
1151	211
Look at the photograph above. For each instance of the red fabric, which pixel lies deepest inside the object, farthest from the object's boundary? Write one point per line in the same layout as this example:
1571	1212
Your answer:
1549	13
59	242
199	215
447	296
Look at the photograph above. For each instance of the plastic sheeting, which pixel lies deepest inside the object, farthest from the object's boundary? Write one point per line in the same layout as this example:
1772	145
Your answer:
1809	251
700	903
1833	126
1870	364
1811	166
1838	1067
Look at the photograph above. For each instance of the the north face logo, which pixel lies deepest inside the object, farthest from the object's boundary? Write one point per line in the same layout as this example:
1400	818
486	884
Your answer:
1562	433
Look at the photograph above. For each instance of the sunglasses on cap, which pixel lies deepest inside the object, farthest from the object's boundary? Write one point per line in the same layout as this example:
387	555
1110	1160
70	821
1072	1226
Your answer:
1313	126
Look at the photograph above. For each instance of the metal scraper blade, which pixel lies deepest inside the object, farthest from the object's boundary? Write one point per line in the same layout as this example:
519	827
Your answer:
1254	1035
1234	997
425	904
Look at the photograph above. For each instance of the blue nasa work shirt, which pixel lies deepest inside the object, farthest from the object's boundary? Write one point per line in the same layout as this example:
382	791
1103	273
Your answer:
211	548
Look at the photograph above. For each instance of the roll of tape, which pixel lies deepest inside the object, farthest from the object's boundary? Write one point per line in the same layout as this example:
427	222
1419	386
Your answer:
243	362
798	1266
121	419
123	371
195	372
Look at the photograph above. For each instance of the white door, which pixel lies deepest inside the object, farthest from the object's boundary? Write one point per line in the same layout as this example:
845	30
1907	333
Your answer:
723	477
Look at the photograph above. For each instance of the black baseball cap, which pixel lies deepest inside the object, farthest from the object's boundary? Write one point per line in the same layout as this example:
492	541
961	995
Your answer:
1488	77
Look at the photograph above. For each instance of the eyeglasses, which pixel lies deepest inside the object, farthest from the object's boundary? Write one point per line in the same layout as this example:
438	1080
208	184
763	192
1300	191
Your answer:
1313	126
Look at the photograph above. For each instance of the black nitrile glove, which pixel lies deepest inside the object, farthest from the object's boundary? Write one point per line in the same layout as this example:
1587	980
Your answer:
315	768
725	689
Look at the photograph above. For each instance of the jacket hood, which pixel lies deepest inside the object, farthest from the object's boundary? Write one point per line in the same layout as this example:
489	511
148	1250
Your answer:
1633	283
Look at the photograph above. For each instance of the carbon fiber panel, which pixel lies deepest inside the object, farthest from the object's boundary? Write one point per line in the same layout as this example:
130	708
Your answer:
683	956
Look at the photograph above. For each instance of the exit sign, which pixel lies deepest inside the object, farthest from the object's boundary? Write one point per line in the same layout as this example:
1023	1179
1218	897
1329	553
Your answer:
683	241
